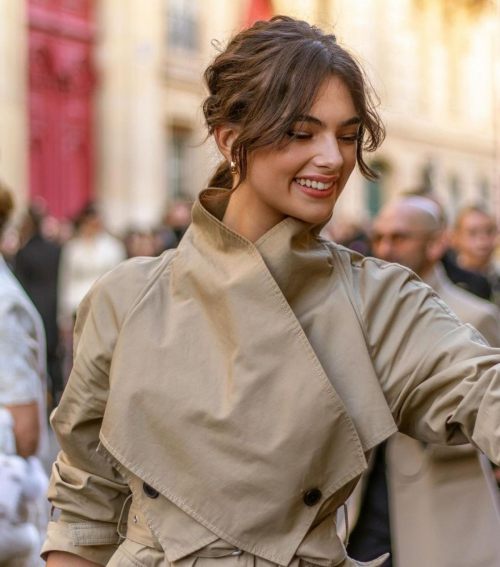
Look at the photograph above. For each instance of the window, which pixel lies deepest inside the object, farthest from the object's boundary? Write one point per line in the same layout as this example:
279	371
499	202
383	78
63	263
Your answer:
455	198
180	162
427	178
485	194
373	196
182	24
374	190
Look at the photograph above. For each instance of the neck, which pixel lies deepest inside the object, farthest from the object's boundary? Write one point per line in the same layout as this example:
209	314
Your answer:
248	216
425	271
470	263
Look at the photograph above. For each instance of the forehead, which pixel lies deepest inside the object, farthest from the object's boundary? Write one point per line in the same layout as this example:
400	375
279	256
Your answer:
334	102
476	219
394	220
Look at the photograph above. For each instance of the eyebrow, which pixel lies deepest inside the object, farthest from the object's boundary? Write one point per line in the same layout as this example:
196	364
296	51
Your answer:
352	121
313	120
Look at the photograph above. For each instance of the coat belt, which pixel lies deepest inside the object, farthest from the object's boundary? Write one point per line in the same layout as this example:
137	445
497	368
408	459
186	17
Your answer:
138	530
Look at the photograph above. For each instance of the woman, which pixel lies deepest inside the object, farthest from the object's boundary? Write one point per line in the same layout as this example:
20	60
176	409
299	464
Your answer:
23	433
225	396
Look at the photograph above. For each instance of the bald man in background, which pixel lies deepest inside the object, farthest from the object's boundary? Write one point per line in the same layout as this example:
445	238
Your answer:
410	232
428	505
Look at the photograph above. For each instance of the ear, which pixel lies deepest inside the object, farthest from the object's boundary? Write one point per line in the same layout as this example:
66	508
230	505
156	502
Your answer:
224	136
436	247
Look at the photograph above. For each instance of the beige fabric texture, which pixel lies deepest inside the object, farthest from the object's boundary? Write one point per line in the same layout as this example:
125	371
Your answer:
444	503
444	500
234	377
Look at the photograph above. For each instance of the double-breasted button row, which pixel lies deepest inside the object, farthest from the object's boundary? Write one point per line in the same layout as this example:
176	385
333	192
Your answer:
312	497
149	491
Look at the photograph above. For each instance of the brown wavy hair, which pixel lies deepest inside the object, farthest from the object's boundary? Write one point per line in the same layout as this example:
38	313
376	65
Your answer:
268	76
6	205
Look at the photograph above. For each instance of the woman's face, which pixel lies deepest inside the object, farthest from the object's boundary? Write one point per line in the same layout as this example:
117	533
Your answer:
305	179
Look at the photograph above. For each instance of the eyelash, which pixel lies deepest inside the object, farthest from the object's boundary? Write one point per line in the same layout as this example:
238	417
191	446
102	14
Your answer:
298	136
348	139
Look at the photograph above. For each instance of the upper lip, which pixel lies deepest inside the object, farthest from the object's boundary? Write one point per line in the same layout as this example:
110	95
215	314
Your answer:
319	178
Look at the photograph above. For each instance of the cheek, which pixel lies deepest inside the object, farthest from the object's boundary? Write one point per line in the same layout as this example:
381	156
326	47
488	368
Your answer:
269	166
260	170
350	157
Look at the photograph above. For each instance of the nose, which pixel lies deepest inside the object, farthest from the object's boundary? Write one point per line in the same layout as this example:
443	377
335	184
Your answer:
329	155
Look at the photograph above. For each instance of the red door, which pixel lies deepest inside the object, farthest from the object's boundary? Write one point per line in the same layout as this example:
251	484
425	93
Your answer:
60	103
259	10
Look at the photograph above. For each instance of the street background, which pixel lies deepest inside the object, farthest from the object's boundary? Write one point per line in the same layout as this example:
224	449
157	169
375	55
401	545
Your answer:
103	146
100	99
100	103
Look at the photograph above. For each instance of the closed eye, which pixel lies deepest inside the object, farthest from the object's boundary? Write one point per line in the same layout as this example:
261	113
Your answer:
349	139
299	135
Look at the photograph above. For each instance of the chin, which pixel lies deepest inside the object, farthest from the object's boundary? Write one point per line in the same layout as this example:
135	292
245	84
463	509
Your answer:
315	215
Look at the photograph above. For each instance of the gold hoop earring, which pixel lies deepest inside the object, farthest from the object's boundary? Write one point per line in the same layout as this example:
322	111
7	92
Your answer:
233	168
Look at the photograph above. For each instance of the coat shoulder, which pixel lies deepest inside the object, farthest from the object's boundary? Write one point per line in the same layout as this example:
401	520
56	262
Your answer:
371	280
481	314
120	289
368	270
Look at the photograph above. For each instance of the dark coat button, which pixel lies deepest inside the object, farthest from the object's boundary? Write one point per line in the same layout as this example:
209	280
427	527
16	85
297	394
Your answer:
149	491
312	497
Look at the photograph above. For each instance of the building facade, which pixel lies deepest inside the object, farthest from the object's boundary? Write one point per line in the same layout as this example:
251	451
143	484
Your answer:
14	152
434	63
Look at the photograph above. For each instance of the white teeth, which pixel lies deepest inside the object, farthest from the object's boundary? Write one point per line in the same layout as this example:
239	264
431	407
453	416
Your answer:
314	184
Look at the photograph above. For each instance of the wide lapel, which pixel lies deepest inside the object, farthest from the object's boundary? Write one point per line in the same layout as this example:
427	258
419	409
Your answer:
231	414
306	269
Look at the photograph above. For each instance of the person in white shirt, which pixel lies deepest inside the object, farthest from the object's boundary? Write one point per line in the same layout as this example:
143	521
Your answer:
84	259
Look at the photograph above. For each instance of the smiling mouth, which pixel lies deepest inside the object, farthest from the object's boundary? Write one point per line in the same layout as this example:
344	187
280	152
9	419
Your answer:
314	184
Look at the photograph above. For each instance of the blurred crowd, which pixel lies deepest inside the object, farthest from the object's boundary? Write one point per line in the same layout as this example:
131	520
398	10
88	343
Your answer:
46	268
468	249
48	265
58	261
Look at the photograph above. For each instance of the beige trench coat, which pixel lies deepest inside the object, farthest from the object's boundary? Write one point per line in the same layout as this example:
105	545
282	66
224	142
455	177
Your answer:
444	503
235	390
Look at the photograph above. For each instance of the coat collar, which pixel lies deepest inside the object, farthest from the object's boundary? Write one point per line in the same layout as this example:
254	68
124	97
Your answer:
290	249
209	210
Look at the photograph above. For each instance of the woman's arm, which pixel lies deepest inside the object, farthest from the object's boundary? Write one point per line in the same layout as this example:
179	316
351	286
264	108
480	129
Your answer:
84	486
440	377
63	559
26	427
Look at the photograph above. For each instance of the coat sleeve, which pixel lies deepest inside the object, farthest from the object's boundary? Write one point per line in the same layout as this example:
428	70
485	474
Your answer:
440	377
489	325
87	490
